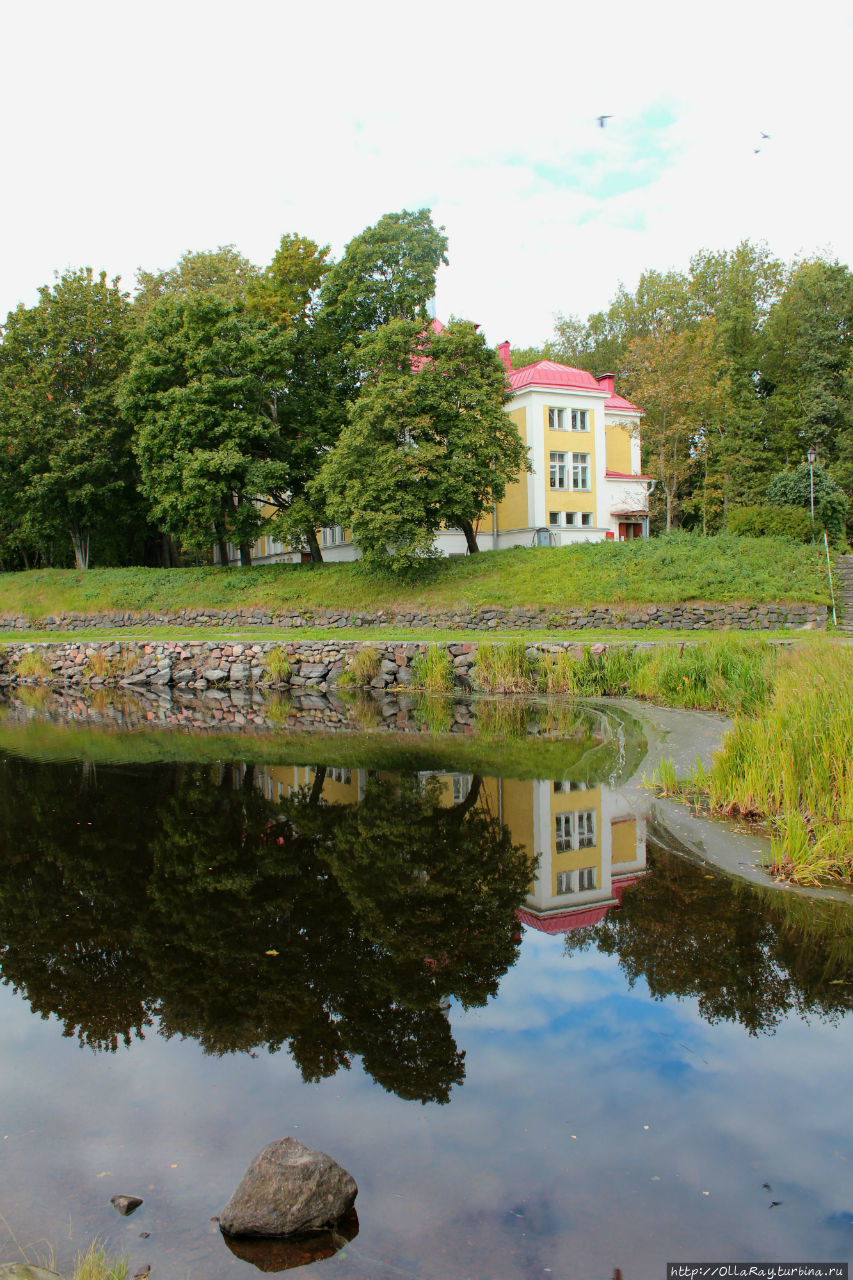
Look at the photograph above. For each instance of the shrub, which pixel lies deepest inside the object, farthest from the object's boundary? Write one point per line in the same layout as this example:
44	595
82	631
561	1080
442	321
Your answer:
794	488
771	522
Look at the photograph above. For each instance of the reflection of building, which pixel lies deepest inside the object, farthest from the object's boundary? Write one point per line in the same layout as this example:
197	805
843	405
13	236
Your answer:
589	845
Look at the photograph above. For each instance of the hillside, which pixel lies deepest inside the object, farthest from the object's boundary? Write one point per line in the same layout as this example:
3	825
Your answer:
669	570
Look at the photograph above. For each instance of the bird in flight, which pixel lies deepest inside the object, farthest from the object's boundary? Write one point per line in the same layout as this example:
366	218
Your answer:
601	120
765	136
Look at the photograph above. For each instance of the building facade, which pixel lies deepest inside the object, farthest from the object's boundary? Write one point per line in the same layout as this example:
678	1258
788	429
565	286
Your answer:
585	485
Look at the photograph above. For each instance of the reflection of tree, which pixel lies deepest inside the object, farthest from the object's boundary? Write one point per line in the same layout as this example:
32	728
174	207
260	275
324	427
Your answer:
161	892
746	955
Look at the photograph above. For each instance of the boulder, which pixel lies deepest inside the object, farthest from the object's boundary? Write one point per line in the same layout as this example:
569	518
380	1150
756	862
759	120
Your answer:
286	1189
126	1205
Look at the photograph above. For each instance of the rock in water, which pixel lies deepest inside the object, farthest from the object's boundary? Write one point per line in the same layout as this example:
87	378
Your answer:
126	1205
288	1188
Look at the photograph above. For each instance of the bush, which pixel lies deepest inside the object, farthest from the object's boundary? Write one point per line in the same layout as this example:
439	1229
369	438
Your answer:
794	489
770	521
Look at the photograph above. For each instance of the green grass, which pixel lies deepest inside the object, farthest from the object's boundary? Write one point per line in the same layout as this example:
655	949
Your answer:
504	668
788	765
662	570
95	1264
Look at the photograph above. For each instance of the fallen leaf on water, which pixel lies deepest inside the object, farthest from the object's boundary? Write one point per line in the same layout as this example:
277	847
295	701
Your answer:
271	953
105	1173
173	1166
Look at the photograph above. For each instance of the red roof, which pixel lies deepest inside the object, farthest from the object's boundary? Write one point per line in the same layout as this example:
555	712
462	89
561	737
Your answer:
564	921
621	404
547	373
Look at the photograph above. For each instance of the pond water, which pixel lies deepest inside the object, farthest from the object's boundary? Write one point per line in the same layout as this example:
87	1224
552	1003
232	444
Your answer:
465	966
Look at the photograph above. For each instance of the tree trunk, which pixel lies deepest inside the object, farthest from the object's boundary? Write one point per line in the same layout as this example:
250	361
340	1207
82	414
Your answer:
80	544
459	810
317	785
246	554
165	551
222	545
470	536
314	546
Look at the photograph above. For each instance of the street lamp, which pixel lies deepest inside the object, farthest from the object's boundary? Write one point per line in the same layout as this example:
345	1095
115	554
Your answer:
812	457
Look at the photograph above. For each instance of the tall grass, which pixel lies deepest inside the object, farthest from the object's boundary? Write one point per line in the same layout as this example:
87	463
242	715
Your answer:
791	766
361	668
277	664
33	666
727	673
433	670
504	668
95	1264
612	673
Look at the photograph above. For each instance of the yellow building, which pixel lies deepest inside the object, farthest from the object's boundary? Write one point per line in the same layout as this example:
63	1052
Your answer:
586	484
587	841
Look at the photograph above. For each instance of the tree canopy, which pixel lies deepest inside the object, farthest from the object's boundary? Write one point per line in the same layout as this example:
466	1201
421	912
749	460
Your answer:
427	443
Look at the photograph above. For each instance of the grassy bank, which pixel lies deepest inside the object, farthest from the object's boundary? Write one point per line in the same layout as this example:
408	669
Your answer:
788	764
670	570
730	673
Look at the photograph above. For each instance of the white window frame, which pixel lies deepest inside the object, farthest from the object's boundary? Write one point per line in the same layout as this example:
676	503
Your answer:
557	419
566	882
580	472
586	519
580	419
587	879
585	829
559	470
564	831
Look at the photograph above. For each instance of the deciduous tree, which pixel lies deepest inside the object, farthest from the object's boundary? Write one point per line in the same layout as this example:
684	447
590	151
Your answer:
427	443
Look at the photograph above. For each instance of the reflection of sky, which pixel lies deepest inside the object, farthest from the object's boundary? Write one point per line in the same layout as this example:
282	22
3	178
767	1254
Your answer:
591	1125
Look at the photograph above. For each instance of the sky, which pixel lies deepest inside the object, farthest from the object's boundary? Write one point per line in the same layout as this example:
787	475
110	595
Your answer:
133	133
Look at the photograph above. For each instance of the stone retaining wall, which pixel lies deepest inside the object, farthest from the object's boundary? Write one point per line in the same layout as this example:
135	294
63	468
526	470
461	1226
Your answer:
677	617
204	664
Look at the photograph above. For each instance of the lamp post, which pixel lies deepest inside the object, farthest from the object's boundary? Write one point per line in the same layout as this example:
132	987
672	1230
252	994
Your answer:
812	457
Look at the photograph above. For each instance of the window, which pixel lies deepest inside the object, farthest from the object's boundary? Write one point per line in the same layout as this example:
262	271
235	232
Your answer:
563	823
462	783
586	518
585	828
559	470
557	518
564	882
553	517
563	785
557	419
580	420
339	775
580	470
570	517
586	878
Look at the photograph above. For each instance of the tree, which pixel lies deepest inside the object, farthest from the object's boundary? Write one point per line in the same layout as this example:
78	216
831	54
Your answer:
202	393
794	488
68	467
288	290
427	442
672	375
224	272
807	367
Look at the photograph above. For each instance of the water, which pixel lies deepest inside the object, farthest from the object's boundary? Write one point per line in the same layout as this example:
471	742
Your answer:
542	1044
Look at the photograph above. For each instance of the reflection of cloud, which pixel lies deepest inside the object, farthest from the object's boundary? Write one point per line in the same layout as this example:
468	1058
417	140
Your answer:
725	1112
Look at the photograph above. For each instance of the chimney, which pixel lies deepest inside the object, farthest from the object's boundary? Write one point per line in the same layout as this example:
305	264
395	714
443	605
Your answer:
605	381
503	352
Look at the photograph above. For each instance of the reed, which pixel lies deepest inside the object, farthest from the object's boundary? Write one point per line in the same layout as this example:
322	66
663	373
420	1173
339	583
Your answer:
33	665
725	673
432	670
362	667
95	1264
790	766
504	668
435	713
277	664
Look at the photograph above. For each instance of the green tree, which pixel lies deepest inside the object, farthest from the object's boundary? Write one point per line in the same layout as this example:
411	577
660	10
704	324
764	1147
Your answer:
288	289
68	469
427	443
202	393
807	367
794	488
223	272
672	375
